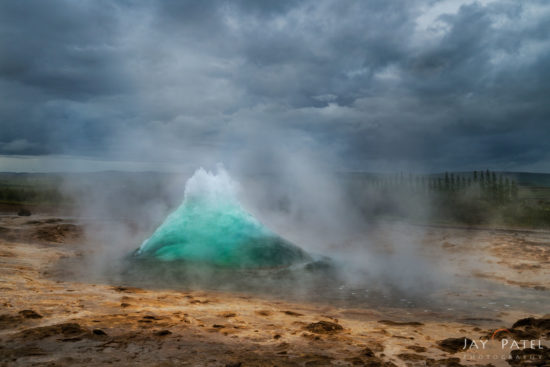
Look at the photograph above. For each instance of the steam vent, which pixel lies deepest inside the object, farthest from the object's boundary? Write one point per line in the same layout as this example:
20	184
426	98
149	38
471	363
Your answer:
211	227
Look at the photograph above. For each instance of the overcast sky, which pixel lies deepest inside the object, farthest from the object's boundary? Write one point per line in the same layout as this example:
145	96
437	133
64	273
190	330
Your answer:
365	85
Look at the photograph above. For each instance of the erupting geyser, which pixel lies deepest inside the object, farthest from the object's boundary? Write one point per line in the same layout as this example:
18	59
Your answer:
212	227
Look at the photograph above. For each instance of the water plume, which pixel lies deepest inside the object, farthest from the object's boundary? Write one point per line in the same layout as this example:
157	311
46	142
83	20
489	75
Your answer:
212	227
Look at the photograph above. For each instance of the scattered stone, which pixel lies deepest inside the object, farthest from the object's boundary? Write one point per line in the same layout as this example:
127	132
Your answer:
402	337
376	347
397	323
163	333
529	357
128	289
538	326
477	320
292	313
150	317
453	345
525	329
68	330
324	327
368	358
520	334
24	212
30	314
417	348
411	357
228	314
367	352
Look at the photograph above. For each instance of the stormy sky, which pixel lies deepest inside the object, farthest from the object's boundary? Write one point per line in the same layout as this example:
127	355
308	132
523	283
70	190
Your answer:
364	85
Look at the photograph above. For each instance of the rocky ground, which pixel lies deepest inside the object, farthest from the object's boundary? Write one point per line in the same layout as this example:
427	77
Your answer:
47	321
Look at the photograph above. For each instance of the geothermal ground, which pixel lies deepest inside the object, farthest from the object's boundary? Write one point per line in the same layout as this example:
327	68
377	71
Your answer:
49	318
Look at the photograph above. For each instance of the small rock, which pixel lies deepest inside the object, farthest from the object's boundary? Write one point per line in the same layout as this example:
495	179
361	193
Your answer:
453	345
149	317
530	357
24	212
228	314
417	348
542	323
398	323
324	327
163	333
30	314
292	313
367	352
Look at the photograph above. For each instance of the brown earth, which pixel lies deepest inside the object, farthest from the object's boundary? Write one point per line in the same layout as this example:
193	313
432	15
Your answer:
52	322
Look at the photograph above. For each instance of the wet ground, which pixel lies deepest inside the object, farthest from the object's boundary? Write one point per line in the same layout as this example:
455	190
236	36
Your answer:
476	282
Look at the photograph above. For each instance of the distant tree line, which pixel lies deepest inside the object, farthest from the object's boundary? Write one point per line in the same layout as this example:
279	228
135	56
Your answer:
490	185
473	198
484	185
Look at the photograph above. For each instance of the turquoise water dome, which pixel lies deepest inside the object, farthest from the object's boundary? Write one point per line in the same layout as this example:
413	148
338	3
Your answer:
212	227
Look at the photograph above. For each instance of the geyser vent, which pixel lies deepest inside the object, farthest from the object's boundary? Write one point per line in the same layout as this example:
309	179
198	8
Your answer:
212	227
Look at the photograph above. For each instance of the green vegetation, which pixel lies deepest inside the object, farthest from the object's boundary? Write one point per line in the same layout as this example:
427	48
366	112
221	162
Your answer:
474	198
30	189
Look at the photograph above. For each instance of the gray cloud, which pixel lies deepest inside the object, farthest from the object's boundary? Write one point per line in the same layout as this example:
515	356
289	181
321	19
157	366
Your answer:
367	83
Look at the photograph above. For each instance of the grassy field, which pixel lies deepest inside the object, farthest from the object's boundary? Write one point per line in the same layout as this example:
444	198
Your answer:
31	189
530	210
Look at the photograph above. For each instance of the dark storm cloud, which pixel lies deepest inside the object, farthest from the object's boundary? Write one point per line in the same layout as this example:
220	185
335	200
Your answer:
438	84
63	48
